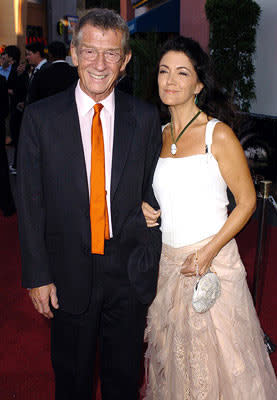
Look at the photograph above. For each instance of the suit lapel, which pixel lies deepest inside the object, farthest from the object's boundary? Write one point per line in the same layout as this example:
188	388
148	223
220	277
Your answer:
73	147
124	125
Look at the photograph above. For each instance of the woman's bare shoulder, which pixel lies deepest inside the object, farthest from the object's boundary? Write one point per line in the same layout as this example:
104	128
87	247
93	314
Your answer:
223	132
225	140
224	135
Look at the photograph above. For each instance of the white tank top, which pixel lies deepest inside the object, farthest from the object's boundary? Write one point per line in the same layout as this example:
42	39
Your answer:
192	195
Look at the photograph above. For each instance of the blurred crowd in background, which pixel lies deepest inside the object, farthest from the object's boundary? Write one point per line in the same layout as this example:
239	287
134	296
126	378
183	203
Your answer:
42	74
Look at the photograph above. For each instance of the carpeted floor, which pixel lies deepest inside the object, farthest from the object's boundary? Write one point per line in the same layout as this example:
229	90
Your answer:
25	370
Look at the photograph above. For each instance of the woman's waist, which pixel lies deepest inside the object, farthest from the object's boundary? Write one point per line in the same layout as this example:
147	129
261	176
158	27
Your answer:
184	250
188	232
197	216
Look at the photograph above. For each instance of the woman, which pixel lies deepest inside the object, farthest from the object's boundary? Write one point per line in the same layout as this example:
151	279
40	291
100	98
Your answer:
220	354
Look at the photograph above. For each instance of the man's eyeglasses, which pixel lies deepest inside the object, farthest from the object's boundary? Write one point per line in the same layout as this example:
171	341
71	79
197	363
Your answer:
110	56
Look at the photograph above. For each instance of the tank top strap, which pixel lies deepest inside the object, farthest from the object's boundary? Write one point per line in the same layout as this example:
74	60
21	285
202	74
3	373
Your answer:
209	134
164	126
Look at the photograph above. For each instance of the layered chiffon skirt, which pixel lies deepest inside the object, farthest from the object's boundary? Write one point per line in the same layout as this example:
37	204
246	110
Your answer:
217	355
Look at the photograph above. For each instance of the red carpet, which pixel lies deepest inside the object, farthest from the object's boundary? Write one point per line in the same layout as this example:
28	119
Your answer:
25	370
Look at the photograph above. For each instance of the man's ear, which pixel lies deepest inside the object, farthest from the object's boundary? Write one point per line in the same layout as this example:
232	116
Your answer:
73	52
127	58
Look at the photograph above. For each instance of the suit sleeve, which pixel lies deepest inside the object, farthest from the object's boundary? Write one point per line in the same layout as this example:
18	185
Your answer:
30	205
145	243
153	153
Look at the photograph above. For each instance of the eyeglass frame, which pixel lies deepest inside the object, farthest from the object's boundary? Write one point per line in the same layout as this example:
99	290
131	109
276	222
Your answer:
97	52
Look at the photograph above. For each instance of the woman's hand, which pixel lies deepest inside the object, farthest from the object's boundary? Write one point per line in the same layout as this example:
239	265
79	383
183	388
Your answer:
21	68
204	260
150	214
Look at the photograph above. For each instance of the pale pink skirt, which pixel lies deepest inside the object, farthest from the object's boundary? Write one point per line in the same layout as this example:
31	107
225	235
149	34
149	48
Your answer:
218	355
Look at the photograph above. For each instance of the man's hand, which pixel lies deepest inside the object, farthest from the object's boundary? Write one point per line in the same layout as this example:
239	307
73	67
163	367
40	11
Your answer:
41	298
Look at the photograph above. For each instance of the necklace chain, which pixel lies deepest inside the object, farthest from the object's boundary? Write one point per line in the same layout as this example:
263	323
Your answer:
174	142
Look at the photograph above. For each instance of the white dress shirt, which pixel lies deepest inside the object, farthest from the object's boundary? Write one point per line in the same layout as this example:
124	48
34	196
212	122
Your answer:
58	61
6	71
85	112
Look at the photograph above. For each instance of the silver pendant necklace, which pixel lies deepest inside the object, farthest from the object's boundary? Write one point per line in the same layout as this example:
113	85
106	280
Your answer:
173	148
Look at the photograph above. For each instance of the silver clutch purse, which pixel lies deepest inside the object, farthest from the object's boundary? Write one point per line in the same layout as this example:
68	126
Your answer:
206	290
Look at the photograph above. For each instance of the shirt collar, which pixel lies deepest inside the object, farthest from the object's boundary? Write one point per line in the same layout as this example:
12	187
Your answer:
41	64
58	61
7	70
85	102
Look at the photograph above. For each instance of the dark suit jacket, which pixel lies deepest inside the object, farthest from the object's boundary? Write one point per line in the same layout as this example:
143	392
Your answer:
33	88
4	98
53	198
6	200
56	78
4	111
20	86
12	77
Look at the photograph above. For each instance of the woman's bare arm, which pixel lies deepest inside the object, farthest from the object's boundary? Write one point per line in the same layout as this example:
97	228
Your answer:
234	169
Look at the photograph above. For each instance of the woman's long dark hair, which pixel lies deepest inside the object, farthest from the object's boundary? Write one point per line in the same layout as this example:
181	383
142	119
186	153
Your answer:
211	99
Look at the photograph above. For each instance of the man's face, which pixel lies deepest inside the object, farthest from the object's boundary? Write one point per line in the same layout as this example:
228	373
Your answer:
33	58
95	57
6	60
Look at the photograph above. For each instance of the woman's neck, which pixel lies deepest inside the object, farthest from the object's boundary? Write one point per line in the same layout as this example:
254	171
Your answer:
182	114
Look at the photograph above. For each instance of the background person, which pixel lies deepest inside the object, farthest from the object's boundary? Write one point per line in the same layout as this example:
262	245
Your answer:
59	75
96	289
219	354
10	61
35	56
5	68
17	86
6	200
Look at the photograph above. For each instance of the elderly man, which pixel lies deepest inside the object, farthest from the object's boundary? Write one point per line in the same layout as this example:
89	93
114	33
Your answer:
86	162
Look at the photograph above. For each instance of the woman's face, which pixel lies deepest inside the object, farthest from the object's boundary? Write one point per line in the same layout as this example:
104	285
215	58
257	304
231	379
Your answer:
177	79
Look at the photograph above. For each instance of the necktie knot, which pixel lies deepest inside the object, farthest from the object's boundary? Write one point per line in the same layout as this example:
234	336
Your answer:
98	107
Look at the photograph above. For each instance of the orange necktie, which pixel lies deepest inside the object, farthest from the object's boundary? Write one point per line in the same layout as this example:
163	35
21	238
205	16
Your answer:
99	220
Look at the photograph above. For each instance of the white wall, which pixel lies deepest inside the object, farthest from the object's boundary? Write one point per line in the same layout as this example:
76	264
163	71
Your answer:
266	60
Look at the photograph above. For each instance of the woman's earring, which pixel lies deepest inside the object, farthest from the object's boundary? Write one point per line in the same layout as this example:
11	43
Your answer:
196	99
